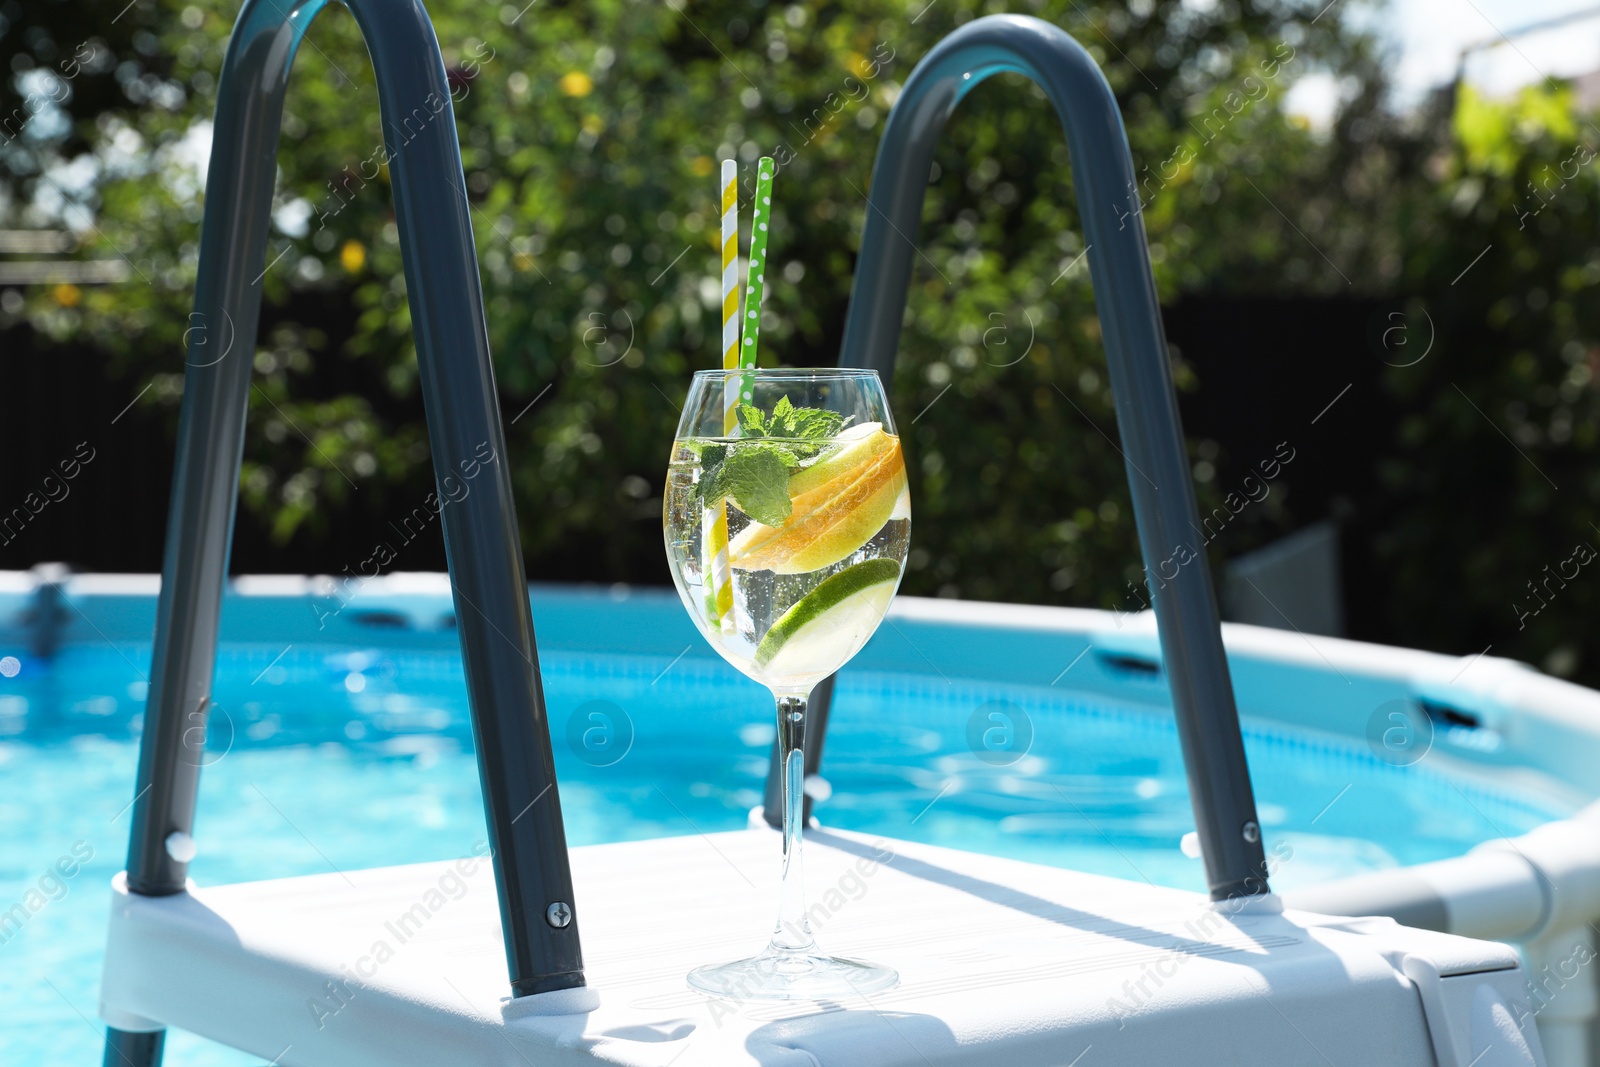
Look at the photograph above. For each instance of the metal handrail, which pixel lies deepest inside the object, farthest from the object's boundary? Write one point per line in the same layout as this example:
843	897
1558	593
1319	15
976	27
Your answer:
480	529
1136	355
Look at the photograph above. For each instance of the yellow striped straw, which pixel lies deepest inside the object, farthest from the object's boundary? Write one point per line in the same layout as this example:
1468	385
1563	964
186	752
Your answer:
730	287
720	602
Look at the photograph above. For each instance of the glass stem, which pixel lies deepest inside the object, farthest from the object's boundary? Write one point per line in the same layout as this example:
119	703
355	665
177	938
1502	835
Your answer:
793	931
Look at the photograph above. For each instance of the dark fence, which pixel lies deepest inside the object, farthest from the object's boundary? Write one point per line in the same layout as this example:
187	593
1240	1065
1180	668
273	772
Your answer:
1305	373
112	516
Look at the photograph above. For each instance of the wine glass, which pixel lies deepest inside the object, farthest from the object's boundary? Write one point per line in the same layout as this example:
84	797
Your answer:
787	522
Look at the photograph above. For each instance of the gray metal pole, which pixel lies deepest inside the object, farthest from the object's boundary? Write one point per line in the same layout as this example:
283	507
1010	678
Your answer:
1136	354
480	530
482	545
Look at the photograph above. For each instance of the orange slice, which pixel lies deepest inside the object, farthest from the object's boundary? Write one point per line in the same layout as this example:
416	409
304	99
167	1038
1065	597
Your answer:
829	522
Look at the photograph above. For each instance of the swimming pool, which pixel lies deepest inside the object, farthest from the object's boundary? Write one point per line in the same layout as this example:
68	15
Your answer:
342	741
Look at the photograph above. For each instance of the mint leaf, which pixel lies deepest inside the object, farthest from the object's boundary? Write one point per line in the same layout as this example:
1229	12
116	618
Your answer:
710	453
789	422
753	471
811	424
752	420
755	477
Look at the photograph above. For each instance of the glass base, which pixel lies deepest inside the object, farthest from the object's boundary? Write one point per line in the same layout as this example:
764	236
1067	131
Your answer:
792	976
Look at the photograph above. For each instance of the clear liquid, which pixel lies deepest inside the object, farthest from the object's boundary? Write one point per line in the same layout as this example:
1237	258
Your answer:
761	597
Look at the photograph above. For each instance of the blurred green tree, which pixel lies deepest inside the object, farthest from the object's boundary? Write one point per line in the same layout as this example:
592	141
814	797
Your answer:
590	134
1496	471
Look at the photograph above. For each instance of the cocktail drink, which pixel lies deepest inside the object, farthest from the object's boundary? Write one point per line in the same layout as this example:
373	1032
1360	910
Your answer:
787	525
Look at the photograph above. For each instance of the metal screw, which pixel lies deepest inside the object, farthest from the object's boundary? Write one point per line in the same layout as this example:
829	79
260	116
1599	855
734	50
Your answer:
558	915
1252	832
181	847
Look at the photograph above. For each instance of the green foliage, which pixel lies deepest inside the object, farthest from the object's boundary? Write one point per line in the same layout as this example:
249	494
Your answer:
589	135
1497	466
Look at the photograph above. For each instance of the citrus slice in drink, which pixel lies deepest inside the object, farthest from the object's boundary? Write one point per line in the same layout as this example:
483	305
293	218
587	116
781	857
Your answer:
825	627
851	448
830	521
902	505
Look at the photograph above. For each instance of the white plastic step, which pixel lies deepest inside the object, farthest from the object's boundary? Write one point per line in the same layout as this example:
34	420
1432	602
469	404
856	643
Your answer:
1002	964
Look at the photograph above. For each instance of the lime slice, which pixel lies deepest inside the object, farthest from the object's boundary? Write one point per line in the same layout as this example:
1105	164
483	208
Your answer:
825	627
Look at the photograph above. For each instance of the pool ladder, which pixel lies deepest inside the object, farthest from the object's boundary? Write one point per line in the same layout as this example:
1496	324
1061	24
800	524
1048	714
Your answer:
539	915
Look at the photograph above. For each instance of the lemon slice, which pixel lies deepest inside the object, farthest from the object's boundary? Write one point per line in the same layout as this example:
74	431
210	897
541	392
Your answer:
852	448
902	505
828	625
828	523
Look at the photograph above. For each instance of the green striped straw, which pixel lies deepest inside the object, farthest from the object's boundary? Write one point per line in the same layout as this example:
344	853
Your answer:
756	282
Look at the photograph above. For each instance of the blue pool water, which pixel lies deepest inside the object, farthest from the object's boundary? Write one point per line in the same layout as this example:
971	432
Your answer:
325	757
